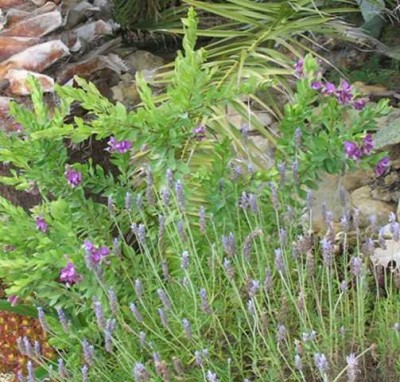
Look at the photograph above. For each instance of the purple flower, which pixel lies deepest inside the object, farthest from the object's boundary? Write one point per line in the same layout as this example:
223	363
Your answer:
316	85
74	178
95	254
329	88
41	224
382	166
321	363
343	94
13	300
360	103
68	275
299	67
200	132
120	147
352	150
368	144
352	367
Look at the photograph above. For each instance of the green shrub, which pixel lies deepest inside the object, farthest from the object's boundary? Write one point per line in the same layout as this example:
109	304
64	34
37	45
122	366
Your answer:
174	265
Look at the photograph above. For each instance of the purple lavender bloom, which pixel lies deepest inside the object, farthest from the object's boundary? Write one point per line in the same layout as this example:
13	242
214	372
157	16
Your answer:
327	251
41	224
62	371
163	317
344	285
329	89
205	306
268	282
368	144
316	85
142	339
164	299
253	288
62	319
120	147
128	201
138	289
98	311
185	260
187	328
113	301
69	276
88	352
140	373
279	262
356	265
180	196
110	328
74	178
136	313
228	242
212	377
31	372
321	363
85	373
202	219
359	104
298	363
299	67
228	268
28	350
281	333
309	336
352	367
20	376
382	166
251	307
352	150
200	132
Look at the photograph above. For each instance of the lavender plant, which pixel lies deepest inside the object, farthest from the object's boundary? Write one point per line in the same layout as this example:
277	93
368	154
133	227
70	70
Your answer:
134	279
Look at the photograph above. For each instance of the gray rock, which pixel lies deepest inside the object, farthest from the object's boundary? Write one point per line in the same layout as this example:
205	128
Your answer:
389	132
357	178
363	201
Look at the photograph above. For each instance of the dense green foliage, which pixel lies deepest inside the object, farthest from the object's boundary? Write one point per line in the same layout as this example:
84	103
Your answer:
178	264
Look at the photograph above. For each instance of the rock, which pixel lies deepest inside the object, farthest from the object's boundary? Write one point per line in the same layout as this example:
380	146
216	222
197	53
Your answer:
381	193
19	81
328	194
126	91
389	131
398	211
263	152
357	178
362	200
143	60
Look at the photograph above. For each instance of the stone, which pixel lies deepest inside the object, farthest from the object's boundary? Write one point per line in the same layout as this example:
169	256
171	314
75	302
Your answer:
389	131
361	199
328	193
358	178
263	152
381	193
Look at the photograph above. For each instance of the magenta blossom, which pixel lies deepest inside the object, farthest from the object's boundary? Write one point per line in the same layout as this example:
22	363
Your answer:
200	132
299	67
317	85
68	275
352	150
329	89
74	178
13	300
343	93
382	166
359	104
95	254
368	144
41	224
120	147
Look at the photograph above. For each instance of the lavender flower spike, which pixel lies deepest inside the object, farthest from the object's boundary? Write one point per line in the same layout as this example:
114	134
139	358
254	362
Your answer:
212	377
164	299
62	319
88	352
352	367
205	306
42	320
321	363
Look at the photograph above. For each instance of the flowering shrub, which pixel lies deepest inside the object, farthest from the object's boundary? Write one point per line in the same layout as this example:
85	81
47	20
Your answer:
170	266
327	127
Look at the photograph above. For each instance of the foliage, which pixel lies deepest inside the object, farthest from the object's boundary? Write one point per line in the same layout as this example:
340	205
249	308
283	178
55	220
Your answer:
173	257
321	119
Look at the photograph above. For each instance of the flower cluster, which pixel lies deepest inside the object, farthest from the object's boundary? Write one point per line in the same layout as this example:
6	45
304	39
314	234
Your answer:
120	147
69	275
200	133
41	224
74	178
343	93
355	151
95	254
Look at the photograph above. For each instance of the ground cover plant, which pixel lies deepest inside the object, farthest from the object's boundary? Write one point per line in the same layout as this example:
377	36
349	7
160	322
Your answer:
181	263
